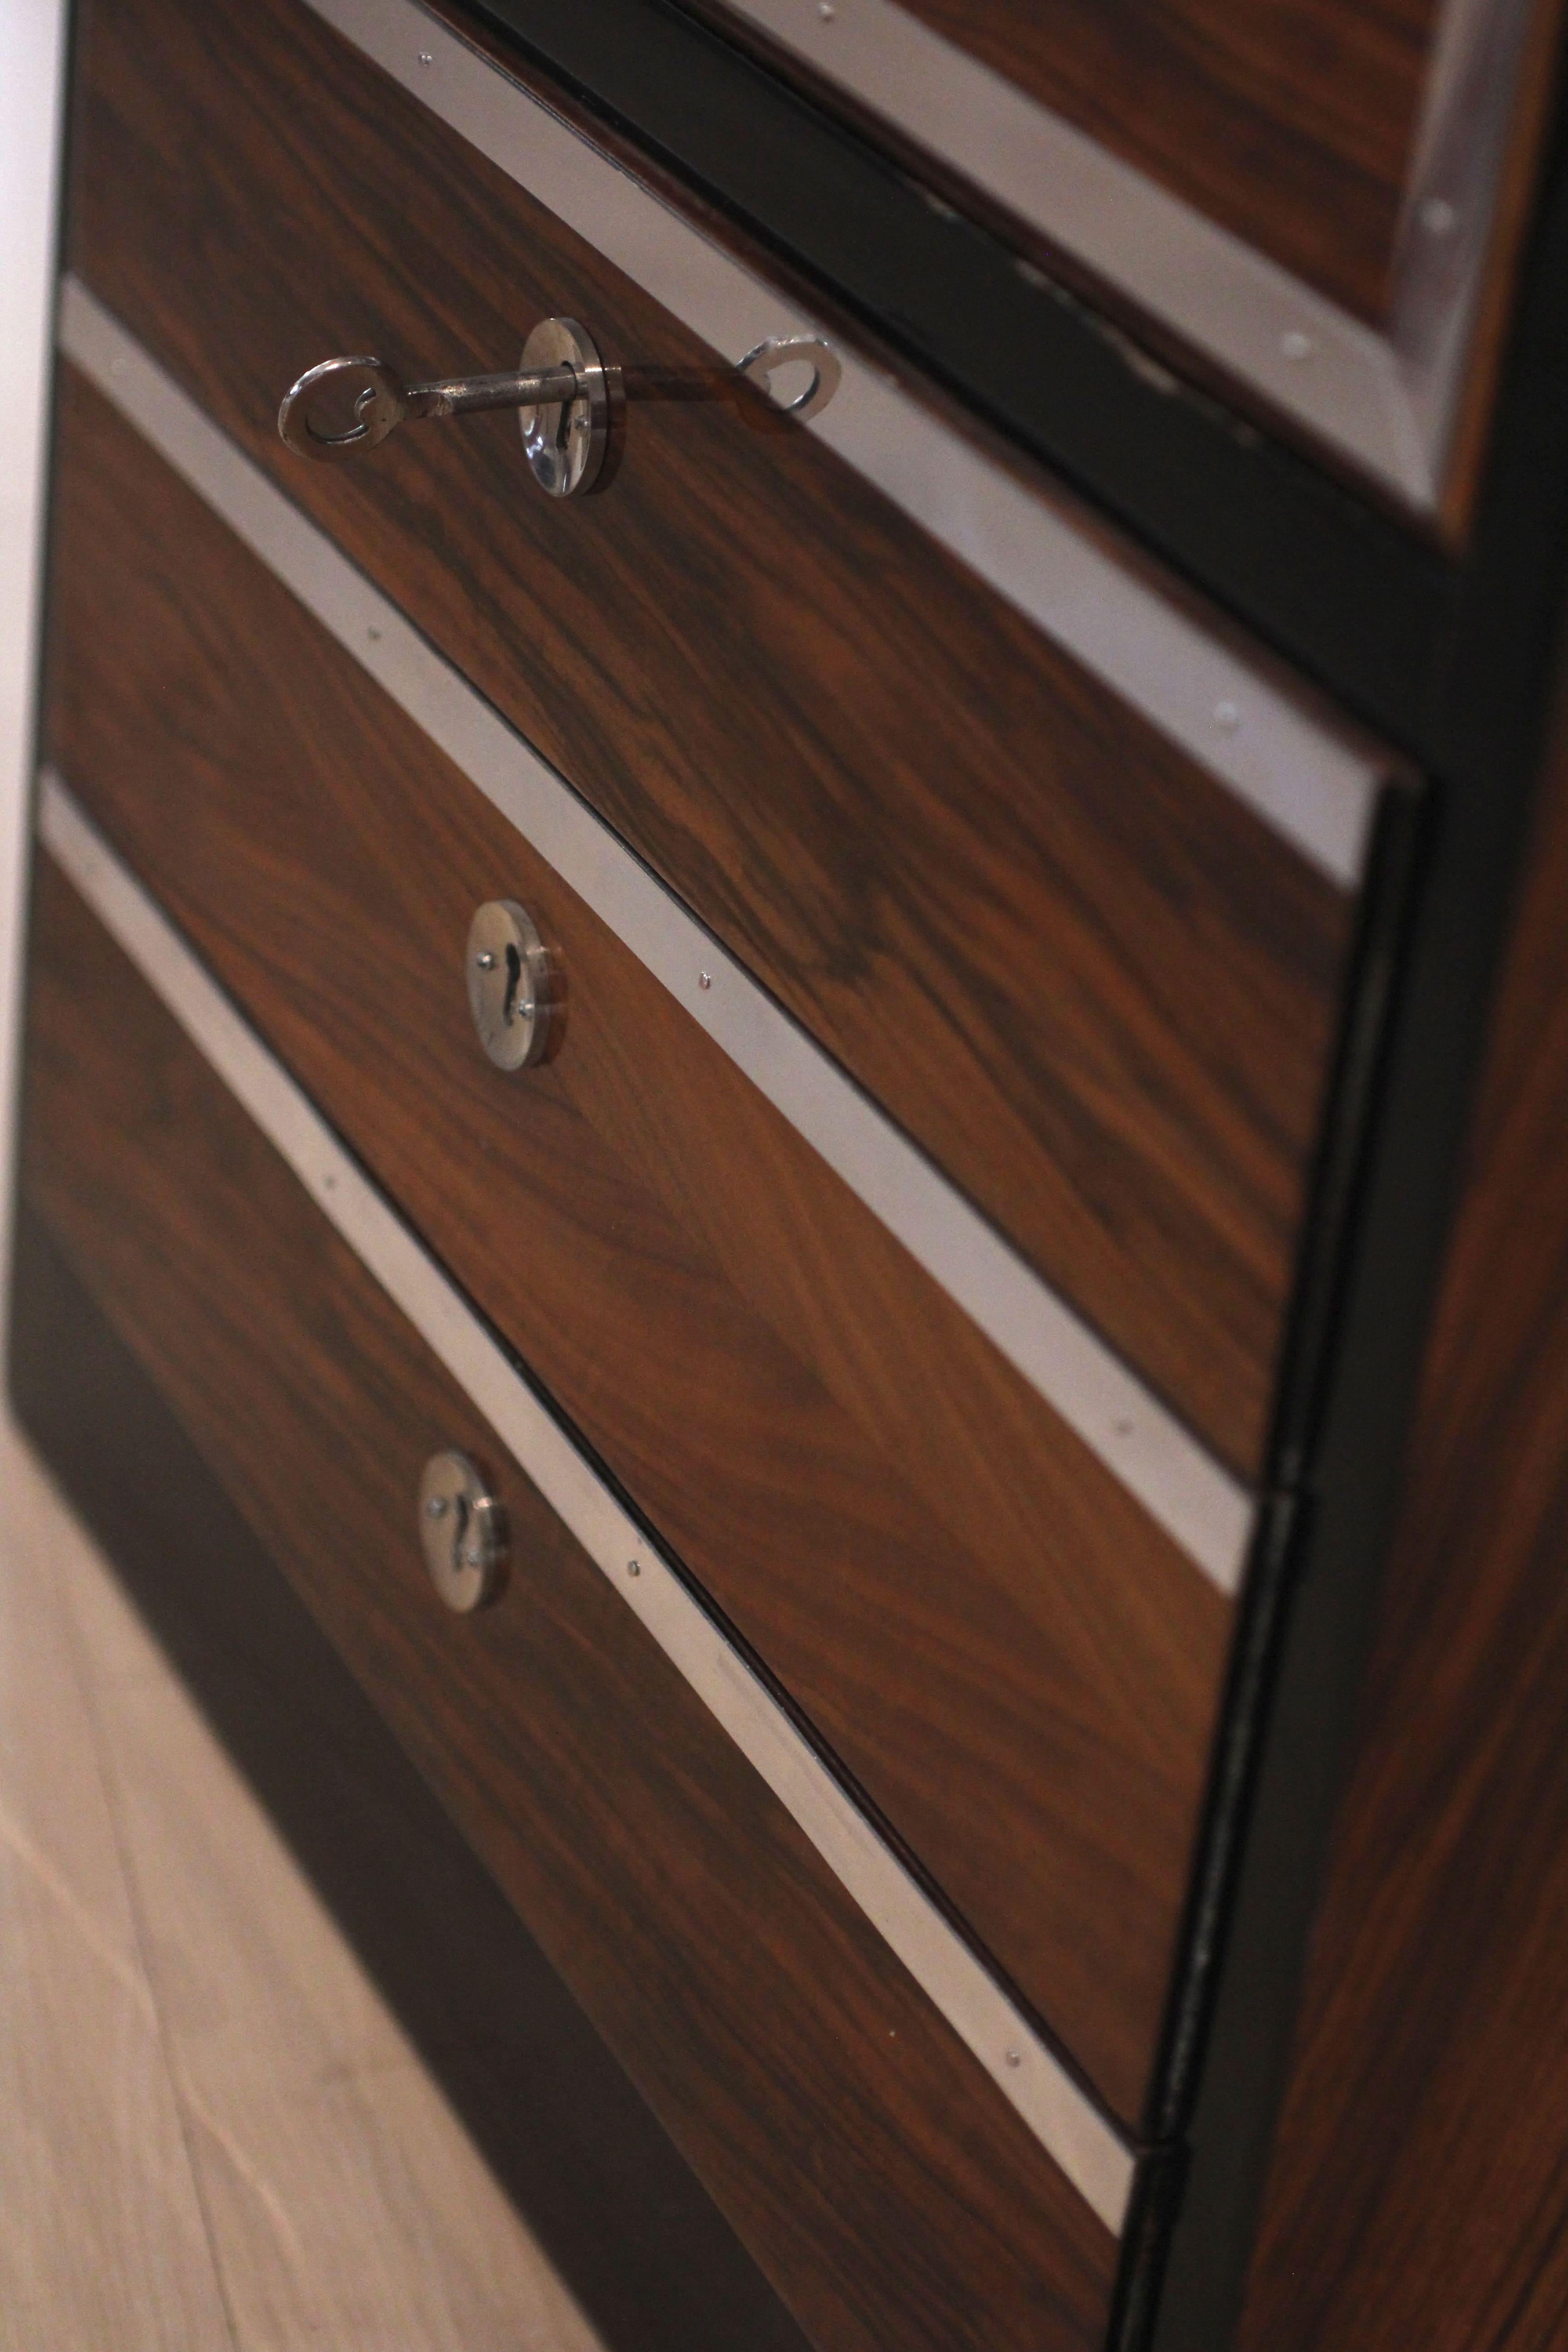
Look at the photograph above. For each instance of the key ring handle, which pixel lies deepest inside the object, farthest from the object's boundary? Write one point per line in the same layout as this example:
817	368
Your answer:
381	406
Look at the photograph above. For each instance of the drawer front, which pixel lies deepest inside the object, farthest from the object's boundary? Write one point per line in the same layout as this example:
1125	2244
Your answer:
1321	203
1017	1663
1292	126
1078	968
883	2182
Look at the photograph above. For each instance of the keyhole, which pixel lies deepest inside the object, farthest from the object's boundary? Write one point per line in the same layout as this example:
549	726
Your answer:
460	1528
515	992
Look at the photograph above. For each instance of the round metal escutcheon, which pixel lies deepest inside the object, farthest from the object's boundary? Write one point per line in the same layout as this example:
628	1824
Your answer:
566	441
517	991
462	1530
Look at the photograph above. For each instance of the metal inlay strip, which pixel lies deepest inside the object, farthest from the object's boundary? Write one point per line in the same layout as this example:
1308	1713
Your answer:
1192	1495
1312	783
1388	399
1312	360
1089	2150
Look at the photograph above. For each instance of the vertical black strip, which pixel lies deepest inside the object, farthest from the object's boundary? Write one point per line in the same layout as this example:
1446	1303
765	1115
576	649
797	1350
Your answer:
1497	690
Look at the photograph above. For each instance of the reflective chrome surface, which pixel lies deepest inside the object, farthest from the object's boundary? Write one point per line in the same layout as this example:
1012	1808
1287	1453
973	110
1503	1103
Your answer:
784	355
566	437
568	401
517	991
462	1531
383	401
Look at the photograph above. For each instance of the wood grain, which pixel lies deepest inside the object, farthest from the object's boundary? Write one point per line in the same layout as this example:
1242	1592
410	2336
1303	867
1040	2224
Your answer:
1292	123
1022	1670
1091	983
1419	2189
881	2180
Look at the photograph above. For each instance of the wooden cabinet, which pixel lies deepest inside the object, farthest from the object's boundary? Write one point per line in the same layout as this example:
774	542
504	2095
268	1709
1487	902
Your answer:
942	1322
1317	204
1018	1666
1075	913
676	1896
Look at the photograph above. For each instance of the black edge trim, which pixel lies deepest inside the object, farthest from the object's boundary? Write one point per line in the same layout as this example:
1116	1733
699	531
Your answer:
1335	582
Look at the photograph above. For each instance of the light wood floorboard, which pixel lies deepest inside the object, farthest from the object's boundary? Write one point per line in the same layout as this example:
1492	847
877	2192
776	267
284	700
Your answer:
215	2132
103	2240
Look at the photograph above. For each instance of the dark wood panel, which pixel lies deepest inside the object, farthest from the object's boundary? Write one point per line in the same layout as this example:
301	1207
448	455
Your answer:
1018	1664
620	2214
882	2181
1290	121
1093	984
1420	2187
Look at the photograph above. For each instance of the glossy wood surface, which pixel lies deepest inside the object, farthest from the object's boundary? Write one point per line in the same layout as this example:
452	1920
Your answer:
1418	2194
1017	1663
1292	123
881	2180
1096	988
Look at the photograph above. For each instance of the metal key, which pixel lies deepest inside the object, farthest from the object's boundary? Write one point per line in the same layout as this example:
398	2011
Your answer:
566	397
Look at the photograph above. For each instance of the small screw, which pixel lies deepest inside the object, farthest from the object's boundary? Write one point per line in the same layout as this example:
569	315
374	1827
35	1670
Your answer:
435	1508
634	1568
425	59
471	1557
1439	216
1296	345
331	1183
826	11
1015	2057
1227	715
1123	1427
374	635
704	980
485	960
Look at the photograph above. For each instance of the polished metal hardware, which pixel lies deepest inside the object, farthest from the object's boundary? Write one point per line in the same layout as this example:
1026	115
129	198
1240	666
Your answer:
569	402
517	989
779	355
462	1530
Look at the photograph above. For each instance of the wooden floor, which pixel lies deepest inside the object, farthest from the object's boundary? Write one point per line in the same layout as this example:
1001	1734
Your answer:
212	2133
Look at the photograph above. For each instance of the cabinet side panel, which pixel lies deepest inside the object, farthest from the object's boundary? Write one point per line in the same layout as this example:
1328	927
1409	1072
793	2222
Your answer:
1419	2189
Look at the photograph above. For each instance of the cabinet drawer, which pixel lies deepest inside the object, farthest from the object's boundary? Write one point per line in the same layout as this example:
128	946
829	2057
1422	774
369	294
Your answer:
1320	203
882	2180
1016	1662
1080	924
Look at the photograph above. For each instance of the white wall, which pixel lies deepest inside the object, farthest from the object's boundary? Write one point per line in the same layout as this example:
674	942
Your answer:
32	35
